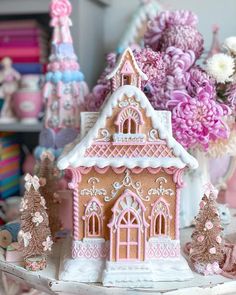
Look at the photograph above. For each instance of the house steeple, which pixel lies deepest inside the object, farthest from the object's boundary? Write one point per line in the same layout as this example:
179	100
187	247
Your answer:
126	72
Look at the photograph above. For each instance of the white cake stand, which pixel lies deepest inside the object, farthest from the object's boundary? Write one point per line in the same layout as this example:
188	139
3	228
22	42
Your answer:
47	281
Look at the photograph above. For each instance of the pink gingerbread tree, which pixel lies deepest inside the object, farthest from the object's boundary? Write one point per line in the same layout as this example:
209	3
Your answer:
64	89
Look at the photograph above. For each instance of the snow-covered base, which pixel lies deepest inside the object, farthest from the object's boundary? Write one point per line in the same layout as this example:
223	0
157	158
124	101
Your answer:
122	274
145	274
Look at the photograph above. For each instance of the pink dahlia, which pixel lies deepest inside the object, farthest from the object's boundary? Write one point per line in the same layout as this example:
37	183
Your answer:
175	28
197	120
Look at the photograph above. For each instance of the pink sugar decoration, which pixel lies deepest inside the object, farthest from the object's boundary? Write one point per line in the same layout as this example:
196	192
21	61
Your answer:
60	8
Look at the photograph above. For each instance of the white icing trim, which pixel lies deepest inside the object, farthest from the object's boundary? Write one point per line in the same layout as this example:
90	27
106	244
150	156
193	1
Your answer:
75	157
120	62
129	137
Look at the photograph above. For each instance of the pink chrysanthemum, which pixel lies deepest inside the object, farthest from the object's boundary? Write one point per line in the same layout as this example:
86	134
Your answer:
153	65
177	65
196	121
176	28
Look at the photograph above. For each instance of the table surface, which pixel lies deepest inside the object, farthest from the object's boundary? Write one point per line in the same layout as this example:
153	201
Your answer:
47	281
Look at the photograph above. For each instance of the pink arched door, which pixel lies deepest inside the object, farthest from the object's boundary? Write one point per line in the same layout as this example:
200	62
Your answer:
128	237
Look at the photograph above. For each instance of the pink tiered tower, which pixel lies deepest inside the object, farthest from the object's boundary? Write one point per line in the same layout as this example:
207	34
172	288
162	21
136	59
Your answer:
64	89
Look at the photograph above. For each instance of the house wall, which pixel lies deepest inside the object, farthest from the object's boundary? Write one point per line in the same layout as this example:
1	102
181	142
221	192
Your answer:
107	181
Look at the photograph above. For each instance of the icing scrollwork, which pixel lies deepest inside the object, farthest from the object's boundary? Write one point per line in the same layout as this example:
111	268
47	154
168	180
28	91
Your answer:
128	102
104	135
127	182
161	190
153	135
93	191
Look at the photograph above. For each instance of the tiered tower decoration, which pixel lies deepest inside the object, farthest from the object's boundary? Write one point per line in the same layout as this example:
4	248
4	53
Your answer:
64	89
206	250
34	236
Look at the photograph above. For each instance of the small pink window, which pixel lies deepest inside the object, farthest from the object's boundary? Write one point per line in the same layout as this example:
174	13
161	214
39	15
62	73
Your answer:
160	218
129	120
93	219
94	227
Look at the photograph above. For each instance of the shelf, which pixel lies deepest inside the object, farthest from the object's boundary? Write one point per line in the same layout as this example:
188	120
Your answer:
20	127
47	280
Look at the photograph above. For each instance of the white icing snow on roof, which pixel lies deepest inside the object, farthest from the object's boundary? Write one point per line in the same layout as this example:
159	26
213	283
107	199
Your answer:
74	156
120	62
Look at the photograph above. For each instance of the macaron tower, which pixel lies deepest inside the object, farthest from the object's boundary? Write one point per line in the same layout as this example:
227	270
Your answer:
64	88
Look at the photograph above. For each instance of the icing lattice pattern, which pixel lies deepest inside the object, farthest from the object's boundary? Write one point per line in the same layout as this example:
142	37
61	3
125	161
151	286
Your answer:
129	151
162	250
90	250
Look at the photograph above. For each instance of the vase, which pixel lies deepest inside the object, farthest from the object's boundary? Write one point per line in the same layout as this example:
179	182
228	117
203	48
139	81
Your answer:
27	105
193	189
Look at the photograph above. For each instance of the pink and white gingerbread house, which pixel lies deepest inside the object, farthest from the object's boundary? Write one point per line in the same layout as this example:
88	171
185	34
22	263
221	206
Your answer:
126	180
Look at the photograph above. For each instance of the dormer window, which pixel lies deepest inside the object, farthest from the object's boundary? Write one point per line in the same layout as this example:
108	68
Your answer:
129	122
127	80
129	126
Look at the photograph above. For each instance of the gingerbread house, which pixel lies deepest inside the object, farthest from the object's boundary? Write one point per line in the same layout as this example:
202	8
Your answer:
126	180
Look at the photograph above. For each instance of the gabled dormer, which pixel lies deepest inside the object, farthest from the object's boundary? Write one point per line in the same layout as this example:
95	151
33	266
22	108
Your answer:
126	72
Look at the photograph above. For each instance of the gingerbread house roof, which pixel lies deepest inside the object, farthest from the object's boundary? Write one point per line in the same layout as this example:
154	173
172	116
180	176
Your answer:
120	62
75	154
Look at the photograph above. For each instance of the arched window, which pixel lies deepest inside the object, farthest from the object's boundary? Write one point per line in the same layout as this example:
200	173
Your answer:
93	220
129	120
160	225
129	126
93	225
160	218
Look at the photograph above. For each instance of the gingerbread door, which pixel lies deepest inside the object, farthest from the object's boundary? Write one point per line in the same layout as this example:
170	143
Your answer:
128	228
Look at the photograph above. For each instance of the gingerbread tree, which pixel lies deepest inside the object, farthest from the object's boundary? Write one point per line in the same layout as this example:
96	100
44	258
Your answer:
206	246
48	189
35	236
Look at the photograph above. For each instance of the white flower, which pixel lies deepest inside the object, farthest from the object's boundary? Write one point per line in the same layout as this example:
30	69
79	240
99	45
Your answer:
230	44
26	238
47	244
23	205
221	67
42	202
37	218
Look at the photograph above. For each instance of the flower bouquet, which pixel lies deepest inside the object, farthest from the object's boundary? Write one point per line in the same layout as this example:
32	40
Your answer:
172	48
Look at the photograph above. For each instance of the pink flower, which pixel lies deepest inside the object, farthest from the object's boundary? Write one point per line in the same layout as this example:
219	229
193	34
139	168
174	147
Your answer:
202	204
212	250
200	238
60	8
196	120
175	28
208	225
218	239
